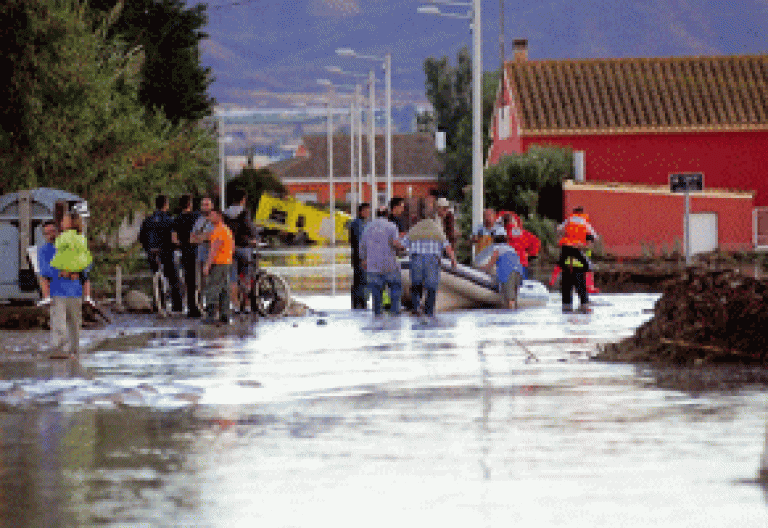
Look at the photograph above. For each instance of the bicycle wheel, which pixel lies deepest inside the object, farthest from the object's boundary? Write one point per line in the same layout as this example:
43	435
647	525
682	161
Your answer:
271	295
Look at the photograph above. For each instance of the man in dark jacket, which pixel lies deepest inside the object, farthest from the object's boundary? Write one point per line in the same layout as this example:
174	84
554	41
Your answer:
356	228
182	228
155	236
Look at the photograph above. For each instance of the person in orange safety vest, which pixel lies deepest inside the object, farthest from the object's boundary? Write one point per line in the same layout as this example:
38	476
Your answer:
577	231
525	243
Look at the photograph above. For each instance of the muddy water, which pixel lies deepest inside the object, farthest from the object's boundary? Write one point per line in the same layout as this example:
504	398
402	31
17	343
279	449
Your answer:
477	419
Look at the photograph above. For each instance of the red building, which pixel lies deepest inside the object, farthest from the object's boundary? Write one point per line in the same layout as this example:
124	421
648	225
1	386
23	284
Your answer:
415	168
638	120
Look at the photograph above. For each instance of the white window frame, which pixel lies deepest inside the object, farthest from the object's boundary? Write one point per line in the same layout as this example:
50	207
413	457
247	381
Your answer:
502	121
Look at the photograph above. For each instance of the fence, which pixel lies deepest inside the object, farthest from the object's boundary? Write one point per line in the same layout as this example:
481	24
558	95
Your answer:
306	270
311	270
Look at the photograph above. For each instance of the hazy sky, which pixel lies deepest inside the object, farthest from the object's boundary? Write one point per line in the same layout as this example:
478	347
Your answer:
270	52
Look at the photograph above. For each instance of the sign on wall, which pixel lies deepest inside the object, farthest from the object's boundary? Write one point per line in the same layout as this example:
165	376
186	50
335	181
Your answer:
686	181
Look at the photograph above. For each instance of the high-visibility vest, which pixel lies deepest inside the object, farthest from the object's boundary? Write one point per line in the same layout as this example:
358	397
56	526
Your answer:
576	229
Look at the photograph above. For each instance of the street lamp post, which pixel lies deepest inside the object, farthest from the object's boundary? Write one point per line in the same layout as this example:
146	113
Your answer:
222	140
359	103
372	142
355	124
387	65
222	169
352	119
477	71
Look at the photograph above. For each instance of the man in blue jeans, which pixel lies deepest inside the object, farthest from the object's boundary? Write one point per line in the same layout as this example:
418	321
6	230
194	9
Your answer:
426	242
377	254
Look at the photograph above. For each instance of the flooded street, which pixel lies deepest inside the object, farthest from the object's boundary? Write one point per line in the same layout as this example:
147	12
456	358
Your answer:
481	418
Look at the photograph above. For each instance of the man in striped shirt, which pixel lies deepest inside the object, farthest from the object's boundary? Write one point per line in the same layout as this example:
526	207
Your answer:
426	243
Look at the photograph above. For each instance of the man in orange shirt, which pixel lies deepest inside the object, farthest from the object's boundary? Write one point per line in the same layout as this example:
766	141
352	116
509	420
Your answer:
217	267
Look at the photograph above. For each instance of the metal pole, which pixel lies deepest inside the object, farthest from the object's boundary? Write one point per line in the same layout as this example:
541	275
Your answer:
221	164
359	99
372	141
331	197
388	146
477	124
687	226
352	193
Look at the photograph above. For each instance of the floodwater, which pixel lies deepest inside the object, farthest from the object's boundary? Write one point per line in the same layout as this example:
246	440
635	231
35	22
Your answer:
482	418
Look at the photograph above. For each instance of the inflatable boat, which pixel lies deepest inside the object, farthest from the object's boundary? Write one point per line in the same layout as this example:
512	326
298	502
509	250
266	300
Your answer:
464	287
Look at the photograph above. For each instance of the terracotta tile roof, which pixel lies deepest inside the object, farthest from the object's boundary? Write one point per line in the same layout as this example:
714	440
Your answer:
640	94
412	155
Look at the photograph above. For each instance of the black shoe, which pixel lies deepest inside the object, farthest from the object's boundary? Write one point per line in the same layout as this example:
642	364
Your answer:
195	314
224	320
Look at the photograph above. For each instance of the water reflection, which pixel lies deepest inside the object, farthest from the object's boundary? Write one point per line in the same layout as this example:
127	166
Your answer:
64	468
491	419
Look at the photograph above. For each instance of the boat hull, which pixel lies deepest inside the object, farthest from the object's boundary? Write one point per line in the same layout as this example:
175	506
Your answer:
464	287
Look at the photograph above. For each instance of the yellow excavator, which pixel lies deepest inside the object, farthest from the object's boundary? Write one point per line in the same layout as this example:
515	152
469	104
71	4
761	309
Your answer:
299	223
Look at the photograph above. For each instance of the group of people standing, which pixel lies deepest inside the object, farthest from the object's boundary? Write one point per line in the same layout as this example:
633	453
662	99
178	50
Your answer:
502	246
216	250
376	244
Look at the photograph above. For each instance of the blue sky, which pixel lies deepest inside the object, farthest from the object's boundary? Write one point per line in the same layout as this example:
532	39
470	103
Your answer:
269	53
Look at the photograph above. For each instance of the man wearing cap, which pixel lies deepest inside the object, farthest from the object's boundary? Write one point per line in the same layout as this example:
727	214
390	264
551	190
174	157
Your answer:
482	236
447	219
378	255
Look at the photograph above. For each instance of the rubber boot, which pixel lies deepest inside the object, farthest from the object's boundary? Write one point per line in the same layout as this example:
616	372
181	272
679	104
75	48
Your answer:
589	278
555	274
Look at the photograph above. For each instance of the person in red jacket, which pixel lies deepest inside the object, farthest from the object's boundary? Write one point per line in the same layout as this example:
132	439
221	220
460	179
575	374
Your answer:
525	243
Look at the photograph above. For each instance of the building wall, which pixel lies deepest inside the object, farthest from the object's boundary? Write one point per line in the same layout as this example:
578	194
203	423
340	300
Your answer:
728	160
629	219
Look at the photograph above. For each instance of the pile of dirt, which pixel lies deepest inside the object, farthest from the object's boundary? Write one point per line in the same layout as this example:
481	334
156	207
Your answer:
26	317
703	317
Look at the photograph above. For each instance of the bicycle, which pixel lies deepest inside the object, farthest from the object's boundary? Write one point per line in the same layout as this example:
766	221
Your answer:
262	292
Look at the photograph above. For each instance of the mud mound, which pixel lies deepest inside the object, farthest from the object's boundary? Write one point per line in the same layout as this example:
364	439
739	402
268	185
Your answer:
703	317
26	317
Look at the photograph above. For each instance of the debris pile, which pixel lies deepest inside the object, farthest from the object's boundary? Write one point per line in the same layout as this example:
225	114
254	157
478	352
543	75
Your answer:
28	317
703	317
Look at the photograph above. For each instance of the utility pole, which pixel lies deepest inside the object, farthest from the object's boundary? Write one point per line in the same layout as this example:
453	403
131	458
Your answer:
501	34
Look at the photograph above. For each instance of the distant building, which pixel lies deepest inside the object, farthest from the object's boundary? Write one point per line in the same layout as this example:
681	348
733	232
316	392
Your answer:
633	122
415	168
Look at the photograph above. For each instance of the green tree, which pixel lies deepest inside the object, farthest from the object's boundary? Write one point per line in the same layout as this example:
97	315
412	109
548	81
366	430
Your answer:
168	33
449	89
255	182
78	123
531	183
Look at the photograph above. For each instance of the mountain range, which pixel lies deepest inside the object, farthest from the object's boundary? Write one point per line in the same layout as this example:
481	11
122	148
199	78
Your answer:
270	53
